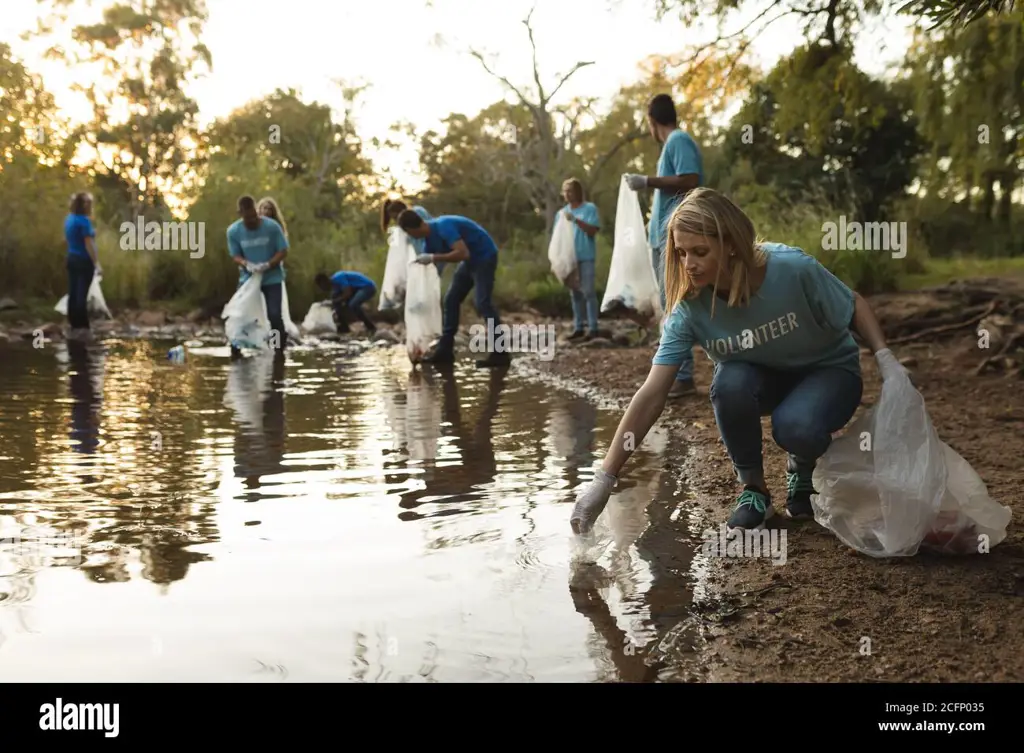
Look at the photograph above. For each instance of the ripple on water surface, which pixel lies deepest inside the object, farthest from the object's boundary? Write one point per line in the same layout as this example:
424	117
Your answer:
333	515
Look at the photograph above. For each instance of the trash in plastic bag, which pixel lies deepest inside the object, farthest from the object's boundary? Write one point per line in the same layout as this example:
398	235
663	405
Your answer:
423	318
562	252
95	302
320	319
632	284
889	486
246	324
393	289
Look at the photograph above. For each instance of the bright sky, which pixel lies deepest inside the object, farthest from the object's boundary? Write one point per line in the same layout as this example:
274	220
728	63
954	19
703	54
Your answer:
412	53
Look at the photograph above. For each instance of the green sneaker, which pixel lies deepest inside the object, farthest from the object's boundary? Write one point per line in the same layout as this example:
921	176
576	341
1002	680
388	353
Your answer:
753	509
798	496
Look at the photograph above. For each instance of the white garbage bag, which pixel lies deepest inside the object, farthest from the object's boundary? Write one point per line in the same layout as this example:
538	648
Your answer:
286	314
632	284
889	486
246	324
423	317
320	319
95	303
562	251
393	289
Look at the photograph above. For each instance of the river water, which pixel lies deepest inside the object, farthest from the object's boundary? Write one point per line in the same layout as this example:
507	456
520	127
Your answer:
331	516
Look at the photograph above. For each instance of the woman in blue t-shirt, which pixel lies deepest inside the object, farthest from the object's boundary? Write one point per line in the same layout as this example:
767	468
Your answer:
778	326
82	262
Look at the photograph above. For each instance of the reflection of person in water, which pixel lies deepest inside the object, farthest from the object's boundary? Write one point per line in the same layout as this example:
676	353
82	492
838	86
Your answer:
254	395
86	397
474	442
572	429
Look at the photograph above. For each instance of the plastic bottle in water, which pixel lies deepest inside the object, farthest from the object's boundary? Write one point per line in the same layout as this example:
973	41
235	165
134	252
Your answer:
176	354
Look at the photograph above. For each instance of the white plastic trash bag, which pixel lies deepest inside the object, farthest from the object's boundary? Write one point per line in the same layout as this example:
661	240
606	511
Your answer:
632	284
286	314
246	324
889	486
95	302
320	319
562	251
423	318
392	290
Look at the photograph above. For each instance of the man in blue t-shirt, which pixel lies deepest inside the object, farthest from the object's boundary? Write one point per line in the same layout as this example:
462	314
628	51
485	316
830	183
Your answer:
349	291
680	170
258	244
587	222
455	238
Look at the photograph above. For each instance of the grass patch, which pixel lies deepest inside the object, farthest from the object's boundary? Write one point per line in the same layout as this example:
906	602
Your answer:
942	271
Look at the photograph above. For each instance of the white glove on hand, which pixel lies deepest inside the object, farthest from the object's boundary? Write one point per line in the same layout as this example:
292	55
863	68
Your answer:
636	182
888	366
591	501
424	259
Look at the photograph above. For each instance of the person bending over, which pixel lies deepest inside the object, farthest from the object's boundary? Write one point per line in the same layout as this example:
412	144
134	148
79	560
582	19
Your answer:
779	328
456	238
391	211
349	291
258	244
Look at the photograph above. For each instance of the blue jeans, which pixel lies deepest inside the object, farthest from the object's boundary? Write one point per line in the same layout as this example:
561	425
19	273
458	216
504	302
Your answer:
468	275
805	406
80	274
586	297
355	305
685	372
272	295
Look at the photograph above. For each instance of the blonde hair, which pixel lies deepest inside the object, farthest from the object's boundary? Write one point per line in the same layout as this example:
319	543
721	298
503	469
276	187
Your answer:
708	213
274	213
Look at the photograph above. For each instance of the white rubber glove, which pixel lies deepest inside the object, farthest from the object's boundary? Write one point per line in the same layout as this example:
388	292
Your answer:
636	182
424	259
888	366
591	501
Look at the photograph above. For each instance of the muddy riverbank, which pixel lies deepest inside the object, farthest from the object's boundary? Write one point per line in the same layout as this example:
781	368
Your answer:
830	614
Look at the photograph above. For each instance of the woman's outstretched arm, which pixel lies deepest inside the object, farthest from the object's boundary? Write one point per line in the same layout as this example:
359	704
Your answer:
644	409
866	325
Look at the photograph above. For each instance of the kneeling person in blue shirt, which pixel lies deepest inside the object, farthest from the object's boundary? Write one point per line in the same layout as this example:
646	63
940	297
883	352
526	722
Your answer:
455	238
349	291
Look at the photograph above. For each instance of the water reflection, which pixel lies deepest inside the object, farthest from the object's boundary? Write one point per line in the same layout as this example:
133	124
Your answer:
85	378
325	517
254	394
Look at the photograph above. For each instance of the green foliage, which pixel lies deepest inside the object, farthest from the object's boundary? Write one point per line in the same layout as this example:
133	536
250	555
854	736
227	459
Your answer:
814	139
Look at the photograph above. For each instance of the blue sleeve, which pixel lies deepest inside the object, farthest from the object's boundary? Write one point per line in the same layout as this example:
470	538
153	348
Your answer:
234	248
590	215
282	242
830	299
676	339
683	157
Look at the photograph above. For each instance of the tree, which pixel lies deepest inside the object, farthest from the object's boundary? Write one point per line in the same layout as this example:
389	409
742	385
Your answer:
541	150
144	52
947	13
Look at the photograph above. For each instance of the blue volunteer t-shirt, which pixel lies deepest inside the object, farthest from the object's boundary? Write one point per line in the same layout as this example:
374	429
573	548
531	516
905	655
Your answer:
259	245
78	227
449	228
353	280
586	245
799	318
679	156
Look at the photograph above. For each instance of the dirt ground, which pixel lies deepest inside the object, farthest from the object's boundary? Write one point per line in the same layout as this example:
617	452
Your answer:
929	618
